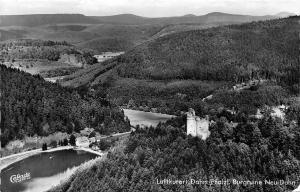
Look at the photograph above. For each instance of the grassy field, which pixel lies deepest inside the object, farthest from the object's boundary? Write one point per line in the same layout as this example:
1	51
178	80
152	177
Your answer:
39	66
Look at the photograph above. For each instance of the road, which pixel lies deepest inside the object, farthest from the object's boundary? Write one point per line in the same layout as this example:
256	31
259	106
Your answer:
114	135
6	161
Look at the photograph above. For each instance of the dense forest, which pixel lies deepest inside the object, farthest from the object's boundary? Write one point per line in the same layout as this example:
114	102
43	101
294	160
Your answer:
171	74
173	97
109	44
257	150
176	71
236	53
30	106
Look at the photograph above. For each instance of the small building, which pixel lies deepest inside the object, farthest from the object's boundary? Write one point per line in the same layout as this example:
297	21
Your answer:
92	139
95	148
154	110
82	141
107	55
258	114
207	98
275	111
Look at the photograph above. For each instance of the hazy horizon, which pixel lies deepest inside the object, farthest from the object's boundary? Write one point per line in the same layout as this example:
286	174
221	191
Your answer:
141	15
148	8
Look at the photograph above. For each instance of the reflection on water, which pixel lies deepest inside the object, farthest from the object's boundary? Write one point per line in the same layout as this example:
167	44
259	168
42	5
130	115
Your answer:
145	118
45	169
45	183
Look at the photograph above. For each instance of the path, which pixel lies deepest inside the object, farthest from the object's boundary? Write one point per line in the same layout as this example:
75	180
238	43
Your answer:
7	160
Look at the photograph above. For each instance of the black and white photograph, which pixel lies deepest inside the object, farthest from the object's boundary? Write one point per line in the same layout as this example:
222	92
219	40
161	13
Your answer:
150	95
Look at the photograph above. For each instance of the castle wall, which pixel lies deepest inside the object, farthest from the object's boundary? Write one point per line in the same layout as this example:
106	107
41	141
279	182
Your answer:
202	129
191	126
197	127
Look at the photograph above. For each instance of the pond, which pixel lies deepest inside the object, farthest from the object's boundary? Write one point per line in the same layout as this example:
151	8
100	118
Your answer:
145	118
40	172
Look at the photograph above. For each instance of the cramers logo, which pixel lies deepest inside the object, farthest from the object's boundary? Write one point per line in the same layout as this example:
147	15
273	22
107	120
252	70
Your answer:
19	178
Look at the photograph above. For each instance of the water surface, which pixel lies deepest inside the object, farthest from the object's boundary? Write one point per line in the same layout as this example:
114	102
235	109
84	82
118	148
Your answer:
42	171
145	118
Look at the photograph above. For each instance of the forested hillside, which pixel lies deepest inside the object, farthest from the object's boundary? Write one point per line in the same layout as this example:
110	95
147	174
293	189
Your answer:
265	150
47	58
123	19
6	35
178	70
42	19
169	73
110	37
96	37
236	53
109	33
29	106
39	49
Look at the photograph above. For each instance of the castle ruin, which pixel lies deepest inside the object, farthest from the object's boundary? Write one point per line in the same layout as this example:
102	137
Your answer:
196	126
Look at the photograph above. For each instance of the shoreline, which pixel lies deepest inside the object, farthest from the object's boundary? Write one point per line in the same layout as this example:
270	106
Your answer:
88	150
149	112
8	160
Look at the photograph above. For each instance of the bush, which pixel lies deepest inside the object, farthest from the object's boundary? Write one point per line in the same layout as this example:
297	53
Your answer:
72	140
103	145
53	144
44	147
65	142
92	134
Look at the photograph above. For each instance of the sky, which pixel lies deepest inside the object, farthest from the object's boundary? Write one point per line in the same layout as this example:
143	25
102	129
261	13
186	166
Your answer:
148	8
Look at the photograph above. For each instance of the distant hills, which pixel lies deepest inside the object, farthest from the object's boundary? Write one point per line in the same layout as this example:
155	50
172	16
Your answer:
121	19
111	33
285	14
98	37
6	35
206	54
195	63
44	19
215	17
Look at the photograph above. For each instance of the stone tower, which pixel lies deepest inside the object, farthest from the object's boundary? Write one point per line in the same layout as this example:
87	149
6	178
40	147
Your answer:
196	126
191	123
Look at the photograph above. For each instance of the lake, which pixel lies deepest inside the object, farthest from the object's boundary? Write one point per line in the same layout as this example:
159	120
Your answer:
145	118
40	172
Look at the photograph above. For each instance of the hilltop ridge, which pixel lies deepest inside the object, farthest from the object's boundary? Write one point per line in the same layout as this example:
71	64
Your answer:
181	68
43	19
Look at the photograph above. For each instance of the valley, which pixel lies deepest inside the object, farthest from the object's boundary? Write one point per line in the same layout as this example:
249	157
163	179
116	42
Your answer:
110	33
73	80
11	163
182	68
